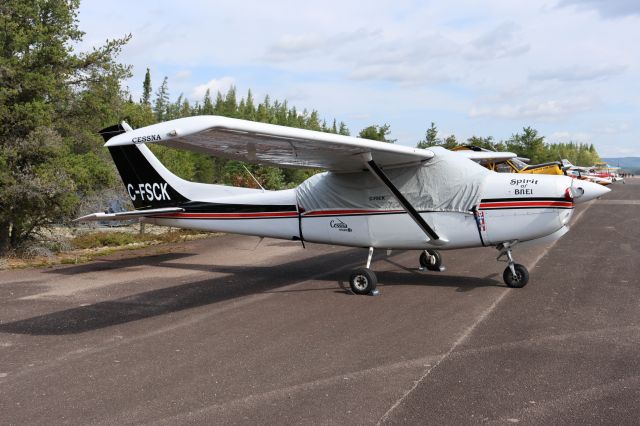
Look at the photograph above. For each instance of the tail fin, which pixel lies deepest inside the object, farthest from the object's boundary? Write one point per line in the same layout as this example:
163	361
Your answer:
147	181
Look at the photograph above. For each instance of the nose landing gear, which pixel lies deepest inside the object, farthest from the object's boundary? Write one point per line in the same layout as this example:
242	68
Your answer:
364	280
515	275
432	260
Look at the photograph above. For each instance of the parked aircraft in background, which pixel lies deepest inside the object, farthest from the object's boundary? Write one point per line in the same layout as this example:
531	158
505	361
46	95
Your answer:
591	174
372	195
511	163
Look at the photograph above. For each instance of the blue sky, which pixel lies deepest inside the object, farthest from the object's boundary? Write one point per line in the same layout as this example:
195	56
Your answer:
569	68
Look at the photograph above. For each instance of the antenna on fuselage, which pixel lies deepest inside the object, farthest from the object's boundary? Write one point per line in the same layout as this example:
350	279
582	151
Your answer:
253	177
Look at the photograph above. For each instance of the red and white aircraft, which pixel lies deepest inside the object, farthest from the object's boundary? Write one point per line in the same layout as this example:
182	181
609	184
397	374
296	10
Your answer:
372	194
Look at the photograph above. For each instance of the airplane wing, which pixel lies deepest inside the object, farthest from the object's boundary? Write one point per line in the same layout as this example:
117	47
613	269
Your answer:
486	156
273	145
133	214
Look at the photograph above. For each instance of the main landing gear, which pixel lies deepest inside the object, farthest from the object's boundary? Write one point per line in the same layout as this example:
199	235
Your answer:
432	260
364	280
515	275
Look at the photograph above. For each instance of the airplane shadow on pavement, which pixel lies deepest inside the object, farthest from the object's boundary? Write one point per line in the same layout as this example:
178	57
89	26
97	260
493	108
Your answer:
241	281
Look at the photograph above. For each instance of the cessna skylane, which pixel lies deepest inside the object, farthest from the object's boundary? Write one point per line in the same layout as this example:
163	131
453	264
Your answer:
372	195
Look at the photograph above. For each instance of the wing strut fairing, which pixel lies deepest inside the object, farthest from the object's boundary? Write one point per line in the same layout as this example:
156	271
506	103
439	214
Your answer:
406	205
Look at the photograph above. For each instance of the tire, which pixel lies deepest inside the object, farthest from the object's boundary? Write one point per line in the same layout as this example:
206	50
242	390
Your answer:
363	281
519	280
426	263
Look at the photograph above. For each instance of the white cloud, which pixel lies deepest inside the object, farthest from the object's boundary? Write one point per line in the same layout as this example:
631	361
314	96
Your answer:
503	41
546	109
296	46
183	74
613	128
216	85
565	136
580	73
607	8
556	64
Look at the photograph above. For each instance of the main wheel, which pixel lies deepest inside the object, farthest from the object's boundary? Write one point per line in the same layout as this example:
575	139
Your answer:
363	281
433	262
519	280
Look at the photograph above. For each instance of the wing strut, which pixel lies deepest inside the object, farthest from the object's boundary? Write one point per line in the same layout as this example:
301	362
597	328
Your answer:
377	171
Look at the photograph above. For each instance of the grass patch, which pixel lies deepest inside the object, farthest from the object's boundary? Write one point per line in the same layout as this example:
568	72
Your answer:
91	245
119	239
109	239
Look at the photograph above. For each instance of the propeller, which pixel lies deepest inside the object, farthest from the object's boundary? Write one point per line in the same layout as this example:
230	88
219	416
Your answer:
572	193
565	165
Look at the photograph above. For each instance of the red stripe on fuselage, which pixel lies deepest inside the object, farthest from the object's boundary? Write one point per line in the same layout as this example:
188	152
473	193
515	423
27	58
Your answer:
348	212
526	204
226	215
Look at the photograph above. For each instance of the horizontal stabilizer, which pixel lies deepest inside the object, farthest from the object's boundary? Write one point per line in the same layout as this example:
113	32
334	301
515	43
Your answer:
127	215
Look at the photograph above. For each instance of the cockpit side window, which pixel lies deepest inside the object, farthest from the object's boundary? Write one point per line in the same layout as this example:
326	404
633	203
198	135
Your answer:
517	164
504	168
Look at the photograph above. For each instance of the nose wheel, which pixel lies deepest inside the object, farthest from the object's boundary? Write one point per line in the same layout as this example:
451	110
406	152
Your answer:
364	280
432	260
515	275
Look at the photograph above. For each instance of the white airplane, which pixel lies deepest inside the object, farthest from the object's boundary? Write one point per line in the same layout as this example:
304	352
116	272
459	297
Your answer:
587	173
373	195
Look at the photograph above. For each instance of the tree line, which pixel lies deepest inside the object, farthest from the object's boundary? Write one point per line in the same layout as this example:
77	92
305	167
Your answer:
53	101
528	144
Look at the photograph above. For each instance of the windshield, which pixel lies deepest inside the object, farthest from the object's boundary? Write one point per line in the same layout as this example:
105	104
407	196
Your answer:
518	164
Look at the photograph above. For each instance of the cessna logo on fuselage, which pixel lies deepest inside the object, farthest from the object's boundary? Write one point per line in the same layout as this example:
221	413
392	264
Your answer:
148	138
148	192
339	225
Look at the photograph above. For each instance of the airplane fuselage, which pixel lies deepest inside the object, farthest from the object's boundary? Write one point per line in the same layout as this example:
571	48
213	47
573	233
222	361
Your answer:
511	207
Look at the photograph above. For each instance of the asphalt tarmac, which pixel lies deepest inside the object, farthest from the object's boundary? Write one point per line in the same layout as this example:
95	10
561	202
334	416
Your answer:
220	331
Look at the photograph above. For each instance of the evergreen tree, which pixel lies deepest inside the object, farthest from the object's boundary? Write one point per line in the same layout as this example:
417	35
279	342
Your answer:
146	89
431	137
230	105
450	142
185	108
249	112
162	100
46	161
313	121
207	105
377	133
218	108
482	142
528	144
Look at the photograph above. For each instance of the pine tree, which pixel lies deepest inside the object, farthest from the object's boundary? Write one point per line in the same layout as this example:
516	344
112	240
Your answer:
344	130
219	106
377	133
146	89
185	109
431	138
450	142
249	112
207	105
50	97
162	100
230	105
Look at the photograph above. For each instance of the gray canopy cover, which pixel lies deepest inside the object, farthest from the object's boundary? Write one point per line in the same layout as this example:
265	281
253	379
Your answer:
447	182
